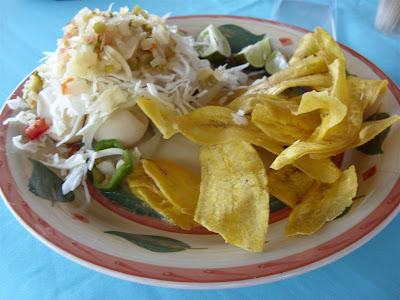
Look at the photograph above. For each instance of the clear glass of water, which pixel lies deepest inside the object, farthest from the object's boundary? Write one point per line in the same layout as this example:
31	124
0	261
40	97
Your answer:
387	18
307	14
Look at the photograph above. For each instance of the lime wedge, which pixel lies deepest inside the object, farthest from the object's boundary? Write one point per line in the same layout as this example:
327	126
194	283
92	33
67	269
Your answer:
212	44
255	54
276	61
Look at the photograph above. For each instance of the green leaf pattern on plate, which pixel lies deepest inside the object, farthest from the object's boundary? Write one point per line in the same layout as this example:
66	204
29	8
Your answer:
130	202
45	184
153	243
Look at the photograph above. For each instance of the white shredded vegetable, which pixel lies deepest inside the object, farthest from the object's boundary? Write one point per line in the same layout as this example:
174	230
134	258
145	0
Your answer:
106	167
104	62
239	118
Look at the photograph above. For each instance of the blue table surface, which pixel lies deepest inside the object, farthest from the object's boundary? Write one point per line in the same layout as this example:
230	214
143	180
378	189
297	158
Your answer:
30	270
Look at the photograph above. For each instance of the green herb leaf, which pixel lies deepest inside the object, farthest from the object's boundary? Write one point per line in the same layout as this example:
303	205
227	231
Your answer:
130	202
152	242
374	146
238	37
275	204
45	184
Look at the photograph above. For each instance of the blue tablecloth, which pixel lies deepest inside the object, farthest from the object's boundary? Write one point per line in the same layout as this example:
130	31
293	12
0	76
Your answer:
30	270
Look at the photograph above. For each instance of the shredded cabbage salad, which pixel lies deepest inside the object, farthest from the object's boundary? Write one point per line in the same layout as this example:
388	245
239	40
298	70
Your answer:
103	63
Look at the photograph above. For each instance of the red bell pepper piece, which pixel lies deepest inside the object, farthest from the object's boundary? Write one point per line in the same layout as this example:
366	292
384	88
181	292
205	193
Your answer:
37	128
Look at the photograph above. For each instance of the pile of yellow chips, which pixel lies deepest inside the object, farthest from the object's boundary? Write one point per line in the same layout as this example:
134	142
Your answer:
303	132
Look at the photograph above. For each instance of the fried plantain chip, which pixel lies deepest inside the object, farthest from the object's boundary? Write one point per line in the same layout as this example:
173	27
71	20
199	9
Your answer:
330	49
145	189
366	90
322	169
306	47
314	64
289	184
279	123
223	98
170	214
315	81
246	103
339	81
162	116
296	99
338	138
370	129
298	150
332	110
322	203
344	133
215	125
139	179
178	184
234	199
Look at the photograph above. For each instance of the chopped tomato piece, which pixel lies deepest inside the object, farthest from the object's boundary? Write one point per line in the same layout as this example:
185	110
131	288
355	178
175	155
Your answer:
37	128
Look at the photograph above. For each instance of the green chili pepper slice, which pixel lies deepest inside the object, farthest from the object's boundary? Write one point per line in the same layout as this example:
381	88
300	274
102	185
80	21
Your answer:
111	183
105	144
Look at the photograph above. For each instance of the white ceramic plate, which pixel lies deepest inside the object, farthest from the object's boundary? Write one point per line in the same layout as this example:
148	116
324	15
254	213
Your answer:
198	259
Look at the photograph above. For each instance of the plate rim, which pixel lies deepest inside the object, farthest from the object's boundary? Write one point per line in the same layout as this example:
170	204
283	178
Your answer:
6	186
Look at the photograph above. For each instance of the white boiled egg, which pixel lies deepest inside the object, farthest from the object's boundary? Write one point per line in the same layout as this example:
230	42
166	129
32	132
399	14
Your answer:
127	126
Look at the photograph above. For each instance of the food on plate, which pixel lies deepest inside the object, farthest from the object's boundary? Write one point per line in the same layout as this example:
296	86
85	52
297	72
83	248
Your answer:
172	206
212	44
90	88
332	110
123	84
328	141
323	122
289	184
306	47
279	123
105	180
179	185
117	124
366	89
275	62
314	64
370	129
318	82
234	198
246	103
162	116
322	203
327	46
215	125
255	54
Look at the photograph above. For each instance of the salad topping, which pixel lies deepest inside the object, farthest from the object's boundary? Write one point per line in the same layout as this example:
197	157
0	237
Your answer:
87	89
